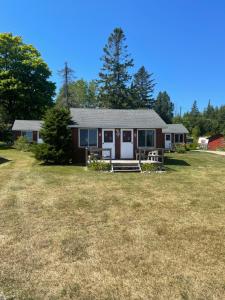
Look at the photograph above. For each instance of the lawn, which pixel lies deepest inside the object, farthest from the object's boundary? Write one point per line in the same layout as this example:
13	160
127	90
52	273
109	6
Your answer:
69	233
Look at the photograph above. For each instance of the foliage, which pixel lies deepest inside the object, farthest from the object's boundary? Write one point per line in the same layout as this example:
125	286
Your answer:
57	147
142	89
164	107
99	166
209	122
114	76
180	148
192	146
25	89
81	93
22	144
6	133
151	167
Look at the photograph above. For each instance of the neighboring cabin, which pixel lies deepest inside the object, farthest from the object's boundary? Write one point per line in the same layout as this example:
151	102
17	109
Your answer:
174	134
124	131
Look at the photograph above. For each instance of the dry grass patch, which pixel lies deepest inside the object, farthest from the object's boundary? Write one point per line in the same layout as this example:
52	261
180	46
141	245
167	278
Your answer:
69	233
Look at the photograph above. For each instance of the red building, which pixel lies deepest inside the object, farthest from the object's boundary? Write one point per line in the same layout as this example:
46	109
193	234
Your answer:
216	142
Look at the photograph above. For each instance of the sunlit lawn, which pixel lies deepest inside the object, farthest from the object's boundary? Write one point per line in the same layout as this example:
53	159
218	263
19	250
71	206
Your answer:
69	233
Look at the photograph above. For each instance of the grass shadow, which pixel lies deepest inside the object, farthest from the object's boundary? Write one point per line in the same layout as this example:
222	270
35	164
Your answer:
4	160
4	146
175	162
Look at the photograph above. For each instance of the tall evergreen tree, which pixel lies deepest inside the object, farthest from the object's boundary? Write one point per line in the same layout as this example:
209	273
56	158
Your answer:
194	109
142	89
164	107
114	75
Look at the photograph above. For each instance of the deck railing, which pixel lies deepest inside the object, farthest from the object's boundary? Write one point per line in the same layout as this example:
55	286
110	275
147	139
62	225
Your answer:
154	155
93	154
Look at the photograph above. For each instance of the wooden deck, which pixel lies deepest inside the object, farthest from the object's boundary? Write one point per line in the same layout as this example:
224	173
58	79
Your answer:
128	161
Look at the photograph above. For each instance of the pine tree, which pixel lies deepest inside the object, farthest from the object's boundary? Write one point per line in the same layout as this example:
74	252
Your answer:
143	88
114	75
164	107
194	109
56	134
68	75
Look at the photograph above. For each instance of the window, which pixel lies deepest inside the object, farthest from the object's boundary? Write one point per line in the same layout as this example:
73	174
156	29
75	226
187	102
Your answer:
167	137
126	136
179	138
88	137
108	136
146	138
28	135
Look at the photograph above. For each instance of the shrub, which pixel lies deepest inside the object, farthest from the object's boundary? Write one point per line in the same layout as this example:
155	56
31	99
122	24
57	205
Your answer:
99	166
180	148
148	167
221	149
57	146
7	136
192	146
22	144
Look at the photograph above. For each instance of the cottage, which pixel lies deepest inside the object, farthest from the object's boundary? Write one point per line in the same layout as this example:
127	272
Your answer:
28	128
121	130
174	134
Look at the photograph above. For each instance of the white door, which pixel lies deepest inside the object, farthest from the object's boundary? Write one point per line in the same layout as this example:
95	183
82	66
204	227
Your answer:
108	142
168	144
127	147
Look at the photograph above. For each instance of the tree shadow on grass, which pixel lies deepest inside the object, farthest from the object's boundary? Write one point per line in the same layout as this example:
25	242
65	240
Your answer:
175	162
4	160
4	146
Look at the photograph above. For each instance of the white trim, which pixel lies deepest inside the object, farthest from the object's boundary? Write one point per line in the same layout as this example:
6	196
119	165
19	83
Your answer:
153	129
170	134
121	140
179	138
79	146
114	140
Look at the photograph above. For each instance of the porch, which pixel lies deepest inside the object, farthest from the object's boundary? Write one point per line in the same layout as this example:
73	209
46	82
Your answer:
142	156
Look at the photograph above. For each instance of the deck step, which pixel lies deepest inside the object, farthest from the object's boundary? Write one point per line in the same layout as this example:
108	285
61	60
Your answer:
126	167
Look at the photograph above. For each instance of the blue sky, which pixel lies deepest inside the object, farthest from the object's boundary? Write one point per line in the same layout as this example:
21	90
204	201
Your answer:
181	41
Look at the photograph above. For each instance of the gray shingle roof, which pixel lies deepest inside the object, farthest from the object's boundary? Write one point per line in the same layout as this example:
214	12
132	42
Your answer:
175	128
27	125
103	118
116	118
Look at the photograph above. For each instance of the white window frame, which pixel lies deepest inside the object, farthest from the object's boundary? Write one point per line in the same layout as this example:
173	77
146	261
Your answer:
88	137
154	137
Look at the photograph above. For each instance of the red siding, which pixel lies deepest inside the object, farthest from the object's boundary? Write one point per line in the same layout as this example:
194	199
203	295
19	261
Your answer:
117	143
78	153
17	134
159	138
35	136
135	142
216	142
99	138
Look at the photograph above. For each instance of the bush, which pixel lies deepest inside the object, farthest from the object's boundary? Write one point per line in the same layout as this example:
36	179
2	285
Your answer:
57	146
7	136
99	166
151	167
221	149
22	144
180	148
192	146
49	154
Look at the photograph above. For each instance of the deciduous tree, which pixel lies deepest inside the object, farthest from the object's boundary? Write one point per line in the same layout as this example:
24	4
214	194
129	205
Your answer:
25	88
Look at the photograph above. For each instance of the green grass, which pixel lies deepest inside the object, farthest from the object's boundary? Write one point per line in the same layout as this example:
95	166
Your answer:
71	233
